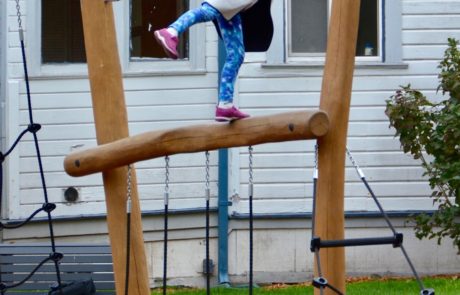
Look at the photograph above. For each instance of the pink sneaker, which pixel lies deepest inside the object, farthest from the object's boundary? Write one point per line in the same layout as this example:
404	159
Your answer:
226	115
168	42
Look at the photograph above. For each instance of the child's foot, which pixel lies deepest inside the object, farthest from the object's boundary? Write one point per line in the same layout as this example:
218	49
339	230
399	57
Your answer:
168	41
229	114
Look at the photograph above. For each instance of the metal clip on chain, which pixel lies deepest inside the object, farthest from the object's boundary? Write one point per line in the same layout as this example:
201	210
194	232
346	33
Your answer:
315	169
19	15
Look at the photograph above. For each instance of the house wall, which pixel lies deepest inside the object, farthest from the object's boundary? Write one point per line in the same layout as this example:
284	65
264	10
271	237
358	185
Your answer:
3	90
283	172
282	175
156	98
2	73
281	248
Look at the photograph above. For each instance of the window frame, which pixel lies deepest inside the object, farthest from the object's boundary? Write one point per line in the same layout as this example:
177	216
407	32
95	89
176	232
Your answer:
196	63
390	38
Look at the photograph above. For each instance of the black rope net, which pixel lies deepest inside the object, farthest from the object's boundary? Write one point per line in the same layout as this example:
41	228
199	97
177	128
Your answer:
47	207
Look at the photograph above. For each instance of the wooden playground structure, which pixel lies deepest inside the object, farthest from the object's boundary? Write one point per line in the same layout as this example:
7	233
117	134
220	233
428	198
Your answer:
116	149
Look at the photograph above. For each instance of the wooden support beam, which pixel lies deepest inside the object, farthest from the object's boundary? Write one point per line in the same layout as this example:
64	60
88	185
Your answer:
335	100
111	124
257	130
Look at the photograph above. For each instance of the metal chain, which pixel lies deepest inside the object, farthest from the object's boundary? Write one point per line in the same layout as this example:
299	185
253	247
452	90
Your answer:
18	13
251	221
353	162
167	180
315	170
129	189
251	174
208	190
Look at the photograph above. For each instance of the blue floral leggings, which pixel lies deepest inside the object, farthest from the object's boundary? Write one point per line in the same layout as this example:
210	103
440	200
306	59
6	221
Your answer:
232	34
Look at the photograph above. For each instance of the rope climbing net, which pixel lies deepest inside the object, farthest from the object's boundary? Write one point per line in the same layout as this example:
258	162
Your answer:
47	206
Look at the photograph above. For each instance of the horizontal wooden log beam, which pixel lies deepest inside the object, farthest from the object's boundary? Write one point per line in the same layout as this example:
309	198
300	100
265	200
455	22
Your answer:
289	126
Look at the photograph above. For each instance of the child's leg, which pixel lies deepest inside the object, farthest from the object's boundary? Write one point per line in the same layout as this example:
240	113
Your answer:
204	13
232	35
167	38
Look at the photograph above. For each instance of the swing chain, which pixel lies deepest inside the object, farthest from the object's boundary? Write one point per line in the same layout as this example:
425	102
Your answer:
166	195
18	13
315	170
251	172
208	190
355	165
129	189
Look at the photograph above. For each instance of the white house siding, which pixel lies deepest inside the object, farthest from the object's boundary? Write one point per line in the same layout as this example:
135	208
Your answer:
283	172
62	105
2	74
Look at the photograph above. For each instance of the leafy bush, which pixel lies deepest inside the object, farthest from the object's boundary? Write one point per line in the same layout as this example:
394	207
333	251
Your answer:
430	132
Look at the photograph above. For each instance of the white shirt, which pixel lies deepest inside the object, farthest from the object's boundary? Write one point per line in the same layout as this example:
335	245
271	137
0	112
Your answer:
229	8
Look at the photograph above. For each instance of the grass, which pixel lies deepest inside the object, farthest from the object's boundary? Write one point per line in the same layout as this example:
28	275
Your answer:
442	285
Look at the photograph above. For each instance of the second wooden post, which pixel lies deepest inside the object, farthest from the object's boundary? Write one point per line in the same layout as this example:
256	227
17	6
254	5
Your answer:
111	121
335	100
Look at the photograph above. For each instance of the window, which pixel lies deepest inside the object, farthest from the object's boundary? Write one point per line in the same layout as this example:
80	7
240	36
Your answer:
308	25
148	16
62	32
62	29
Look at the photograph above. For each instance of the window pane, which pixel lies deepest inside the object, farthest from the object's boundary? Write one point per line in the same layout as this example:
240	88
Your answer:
368	29
150	15
62	32
308	26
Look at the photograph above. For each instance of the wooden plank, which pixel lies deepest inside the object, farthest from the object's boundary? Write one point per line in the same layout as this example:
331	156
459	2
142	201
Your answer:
252	131
42	288
46	249
418	7
430	22
51	277
111	121
74	259
335	100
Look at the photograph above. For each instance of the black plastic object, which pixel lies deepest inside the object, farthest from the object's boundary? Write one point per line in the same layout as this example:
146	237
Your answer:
75	288
258	27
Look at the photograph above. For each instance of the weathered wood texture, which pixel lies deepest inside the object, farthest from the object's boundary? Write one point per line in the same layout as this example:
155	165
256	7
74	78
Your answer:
335	100
264	129
111	124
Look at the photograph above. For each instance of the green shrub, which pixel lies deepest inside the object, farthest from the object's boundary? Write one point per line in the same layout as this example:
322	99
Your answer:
430	132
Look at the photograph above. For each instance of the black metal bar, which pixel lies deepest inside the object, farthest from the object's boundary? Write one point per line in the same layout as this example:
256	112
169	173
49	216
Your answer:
165	250
208	270
128	244
251	245
395	240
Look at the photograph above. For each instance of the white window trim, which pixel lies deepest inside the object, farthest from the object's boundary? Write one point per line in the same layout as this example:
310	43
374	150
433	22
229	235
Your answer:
390	39
196	63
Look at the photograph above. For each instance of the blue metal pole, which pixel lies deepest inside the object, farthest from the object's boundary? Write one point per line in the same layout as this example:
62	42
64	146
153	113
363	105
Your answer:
223	202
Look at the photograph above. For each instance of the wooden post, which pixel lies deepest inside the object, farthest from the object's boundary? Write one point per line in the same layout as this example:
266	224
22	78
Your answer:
335	100
198	138
112	124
